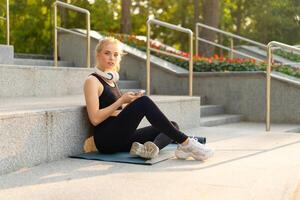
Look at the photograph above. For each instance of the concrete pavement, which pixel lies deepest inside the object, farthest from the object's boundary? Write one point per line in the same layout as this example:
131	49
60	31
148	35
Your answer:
248	164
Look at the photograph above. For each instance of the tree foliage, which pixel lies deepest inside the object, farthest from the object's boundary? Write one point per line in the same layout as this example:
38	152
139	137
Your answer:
262	20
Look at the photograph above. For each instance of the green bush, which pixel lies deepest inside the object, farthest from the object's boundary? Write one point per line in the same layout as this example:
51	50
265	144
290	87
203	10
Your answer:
288	55
203	64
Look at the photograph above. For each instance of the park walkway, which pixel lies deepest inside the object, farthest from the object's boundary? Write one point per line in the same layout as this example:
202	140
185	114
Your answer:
248	164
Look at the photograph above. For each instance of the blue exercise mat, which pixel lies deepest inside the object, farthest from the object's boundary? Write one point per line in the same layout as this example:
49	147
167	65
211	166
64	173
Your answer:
124	157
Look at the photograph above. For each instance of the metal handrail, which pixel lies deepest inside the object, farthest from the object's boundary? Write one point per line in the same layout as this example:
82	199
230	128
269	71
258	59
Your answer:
270	47
229	49
7	22
231	35
149	49
87	35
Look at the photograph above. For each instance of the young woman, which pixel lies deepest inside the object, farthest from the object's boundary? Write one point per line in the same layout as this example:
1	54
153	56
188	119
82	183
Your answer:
116	116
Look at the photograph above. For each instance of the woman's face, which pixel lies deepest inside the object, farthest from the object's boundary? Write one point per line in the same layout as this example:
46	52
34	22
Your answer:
109	56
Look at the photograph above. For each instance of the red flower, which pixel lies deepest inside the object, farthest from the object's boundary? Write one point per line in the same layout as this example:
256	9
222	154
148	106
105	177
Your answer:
216	56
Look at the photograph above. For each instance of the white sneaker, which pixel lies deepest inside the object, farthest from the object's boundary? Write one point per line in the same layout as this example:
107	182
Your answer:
148	150
194	149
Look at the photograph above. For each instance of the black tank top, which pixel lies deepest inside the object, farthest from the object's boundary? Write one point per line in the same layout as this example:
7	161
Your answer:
109	95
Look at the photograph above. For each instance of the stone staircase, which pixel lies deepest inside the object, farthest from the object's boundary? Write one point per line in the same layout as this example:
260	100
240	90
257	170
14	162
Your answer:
43	116
214	115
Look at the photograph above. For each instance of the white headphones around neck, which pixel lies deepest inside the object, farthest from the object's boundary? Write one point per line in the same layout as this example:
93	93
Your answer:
110	75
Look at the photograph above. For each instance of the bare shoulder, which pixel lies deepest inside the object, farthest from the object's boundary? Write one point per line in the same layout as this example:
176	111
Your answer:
91	83
92	80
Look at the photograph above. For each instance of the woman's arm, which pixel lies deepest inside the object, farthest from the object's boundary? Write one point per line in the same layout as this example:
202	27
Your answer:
124	105
96	115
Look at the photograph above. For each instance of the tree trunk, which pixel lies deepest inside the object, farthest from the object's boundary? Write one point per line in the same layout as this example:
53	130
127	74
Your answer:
126	17
196	11
211	14
183	37
239	17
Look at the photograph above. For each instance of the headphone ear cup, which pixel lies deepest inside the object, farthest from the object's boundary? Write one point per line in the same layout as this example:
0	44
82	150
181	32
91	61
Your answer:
116	76
110	75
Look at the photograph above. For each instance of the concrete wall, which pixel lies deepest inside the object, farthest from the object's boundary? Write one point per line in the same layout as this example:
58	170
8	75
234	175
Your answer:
240	92
72	48
28	138
40	136
244	93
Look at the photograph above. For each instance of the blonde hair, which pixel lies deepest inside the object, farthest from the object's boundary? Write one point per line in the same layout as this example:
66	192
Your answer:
105	41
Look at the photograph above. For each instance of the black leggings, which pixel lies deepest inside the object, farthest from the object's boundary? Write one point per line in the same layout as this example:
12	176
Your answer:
117	133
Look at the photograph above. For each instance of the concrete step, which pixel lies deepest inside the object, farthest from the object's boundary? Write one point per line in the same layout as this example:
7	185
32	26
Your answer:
209	110
35	130
34	56
27	81
216	120
41	62
128	84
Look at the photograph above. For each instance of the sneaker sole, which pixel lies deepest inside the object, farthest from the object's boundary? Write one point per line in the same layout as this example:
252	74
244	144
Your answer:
184	155
181	155
152	149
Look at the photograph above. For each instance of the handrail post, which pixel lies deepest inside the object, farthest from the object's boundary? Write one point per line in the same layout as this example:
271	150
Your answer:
7	23
148	58
87	35
55	36
231	48
88	42
268	87
196	39
149	49
268	76
221	42
191	65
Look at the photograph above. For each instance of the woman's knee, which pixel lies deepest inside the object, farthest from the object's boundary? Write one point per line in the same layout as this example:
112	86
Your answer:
175	124
143	100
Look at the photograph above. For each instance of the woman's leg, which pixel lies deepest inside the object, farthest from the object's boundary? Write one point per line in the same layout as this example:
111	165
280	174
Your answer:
125	124
129	118
152	134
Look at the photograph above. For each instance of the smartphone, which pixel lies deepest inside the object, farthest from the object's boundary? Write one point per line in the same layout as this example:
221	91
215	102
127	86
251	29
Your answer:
140	92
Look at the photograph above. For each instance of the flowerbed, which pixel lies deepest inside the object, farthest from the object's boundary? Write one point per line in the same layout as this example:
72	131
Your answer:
203	64
288	55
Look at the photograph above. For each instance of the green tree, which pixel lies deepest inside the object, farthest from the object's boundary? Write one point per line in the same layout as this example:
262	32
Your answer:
261	20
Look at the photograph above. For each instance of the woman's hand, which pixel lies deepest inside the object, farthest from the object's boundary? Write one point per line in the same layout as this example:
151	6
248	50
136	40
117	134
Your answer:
127	97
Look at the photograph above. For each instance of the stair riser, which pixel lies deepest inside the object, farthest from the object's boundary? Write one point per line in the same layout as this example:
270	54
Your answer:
129	84
36	62
16	81
221	121
209	111
41	136
31	138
